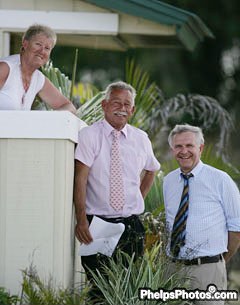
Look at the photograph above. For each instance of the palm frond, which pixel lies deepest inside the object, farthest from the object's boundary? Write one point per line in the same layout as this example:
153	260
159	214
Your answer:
91	111
202	110
146	98
209	156
59	79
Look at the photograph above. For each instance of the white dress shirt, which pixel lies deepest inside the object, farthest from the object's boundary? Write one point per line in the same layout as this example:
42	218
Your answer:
94	149
214	209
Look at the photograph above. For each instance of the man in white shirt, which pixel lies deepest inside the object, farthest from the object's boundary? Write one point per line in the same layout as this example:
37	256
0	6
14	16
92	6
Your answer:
92	190
212	220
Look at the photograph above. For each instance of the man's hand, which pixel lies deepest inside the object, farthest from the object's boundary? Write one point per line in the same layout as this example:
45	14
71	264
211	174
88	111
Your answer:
80	184
233	245
82	232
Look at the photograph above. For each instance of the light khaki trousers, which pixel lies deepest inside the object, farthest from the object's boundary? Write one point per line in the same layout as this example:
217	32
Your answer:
200	276
203	275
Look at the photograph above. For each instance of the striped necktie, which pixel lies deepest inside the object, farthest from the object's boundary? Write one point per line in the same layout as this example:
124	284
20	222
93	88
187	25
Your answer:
116	174
179	226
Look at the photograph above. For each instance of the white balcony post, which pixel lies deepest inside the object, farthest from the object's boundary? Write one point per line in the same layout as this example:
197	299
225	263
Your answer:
36	197
4	44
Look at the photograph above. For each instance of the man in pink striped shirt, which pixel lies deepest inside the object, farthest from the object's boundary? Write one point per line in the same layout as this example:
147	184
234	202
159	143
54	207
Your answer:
92	173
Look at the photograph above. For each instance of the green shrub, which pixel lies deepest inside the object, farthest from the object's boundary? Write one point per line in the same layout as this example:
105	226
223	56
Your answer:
6	298
121	280
36	292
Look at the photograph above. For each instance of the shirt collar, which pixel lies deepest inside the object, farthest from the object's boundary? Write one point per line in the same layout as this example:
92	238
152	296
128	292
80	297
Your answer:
195	171
197	168
108	128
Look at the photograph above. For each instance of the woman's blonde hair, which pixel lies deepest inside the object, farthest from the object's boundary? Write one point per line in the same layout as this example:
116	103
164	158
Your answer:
35	29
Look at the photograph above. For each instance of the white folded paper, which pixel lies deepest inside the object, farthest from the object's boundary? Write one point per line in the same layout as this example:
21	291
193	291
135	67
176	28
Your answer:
105	237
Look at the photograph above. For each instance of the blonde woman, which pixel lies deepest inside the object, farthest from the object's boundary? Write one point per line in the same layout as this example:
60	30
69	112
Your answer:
20	79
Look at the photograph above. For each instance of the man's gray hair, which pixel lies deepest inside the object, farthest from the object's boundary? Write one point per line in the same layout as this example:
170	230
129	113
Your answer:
120	85
35	29
186	128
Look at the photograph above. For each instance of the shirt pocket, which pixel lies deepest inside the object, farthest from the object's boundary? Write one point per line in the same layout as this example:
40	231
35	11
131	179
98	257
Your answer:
134	163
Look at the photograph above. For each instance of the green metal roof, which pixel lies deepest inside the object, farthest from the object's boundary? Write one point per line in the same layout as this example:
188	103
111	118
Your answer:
190	29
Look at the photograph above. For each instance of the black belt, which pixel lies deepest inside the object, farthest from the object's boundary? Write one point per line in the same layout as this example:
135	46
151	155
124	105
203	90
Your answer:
119	219
116	219
200	260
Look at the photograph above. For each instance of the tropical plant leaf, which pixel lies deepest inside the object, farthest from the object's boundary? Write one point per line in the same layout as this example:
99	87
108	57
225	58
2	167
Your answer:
91	111
59	80
147	94
74	74
209	156
36	292
121	280
83	92
6	298
203	111
154	199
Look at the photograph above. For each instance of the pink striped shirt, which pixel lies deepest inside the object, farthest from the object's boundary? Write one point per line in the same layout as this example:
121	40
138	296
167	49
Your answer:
94	148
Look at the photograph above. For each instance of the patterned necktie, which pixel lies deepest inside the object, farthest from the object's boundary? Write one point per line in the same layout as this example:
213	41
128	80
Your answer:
116	175
179	226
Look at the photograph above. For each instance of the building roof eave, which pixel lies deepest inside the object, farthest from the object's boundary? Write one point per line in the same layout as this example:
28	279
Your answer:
190	29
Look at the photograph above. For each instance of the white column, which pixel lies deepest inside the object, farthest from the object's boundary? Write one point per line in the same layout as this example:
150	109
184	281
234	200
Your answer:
4	43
